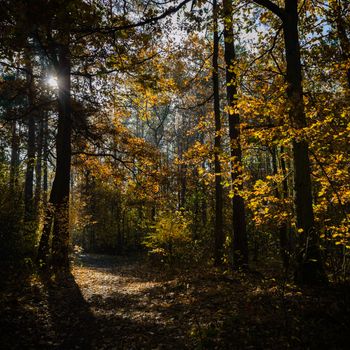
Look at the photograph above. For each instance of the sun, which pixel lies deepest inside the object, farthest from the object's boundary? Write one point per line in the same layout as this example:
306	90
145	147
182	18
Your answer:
52	81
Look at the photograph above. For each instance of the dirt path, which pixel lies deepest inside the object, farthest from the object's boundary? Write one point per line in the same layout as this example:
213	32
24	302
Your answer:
133	307
126	303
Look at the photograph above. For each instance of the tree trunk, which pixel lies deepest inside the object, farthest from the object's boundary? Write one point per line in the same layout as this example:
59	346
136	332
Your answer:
43	249
14	157
219	233
44	244
61	184
119	229
38	168
45	158
240	243
310	269
58	207
28	186
343	38
282	227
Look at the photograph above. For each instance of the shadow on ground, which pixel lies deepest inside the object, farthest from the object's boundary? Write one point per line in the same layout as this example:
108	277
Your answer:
124	303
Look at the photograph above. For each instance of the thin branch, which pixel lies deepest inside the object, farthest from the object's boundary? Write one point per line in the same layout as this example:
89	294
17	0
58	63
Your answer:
268	51
105	154
151	20
199	104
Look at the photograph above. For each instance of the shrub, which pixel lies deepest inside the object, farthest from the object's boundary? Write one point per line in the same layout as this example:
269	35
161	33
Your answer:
170	238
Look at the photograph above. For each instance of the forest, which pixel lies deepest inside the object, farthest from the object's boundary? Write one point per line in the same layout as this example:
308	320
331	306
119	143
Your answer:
174	174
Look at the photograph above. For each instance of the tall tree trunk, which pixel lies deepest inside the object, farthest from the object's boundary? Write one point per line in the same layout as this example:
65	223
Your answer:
61	184
43	249
58	208
29	184
119	249
204	205
38	168
14	157
44	243
183	185
45	158
219	232
240	243
310	269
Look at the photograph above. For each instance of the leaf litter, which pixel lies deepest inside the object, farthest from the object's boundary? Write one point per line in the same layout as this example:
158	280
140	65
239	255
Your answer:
126	303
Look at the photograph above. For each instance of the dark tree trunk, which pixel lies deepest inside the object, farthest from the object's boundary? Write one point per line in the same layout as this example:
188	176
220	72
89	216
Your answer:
119	229
58	207
204	207
45	158
182	181
219	232
14	157
197	221
29	178
38	168
343	38
240	243
310	269
43	249
44	244
61	184
183	185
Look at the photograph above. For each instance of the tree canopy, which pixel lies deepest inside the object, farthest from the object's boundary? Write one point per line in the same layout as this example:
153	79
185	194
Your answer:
199	133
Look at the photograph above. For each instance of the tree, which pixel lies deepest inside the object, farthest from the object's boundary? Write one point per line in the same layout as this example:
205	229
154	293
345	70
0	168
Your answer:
28	187
240	244
310	268
218	234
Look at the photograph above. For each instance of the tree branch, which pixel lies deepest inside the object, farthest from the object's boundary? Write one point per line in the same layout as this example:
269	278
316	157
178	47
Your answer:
151	20
278	11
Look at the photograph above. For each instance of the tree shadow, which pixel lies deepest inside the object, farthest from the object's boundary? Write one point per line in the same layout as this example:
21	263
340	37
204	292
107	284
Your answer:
72	320
141	318
208	311
103	323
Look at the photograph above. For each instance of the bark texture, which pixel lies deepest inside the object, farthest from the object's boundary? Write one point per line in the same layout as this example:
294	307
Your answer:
310	269
240	243
57	213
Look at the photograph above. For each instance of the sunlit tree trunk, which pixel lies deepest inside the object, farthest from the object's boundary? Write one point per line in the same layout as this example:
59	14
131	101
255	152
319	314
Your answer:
240	243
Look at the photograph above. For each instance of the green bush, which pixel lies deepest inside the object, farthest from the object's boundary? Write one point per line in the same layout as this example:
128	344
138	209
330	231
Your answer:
171	238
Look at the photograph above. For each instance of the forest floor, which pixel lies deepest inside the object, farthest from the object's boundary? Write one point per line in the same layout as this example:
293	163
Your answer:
126	303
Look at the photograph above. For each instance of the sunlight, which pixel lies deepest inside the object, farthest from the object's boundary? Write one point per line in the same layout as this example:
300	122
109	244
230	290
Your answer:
52	81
